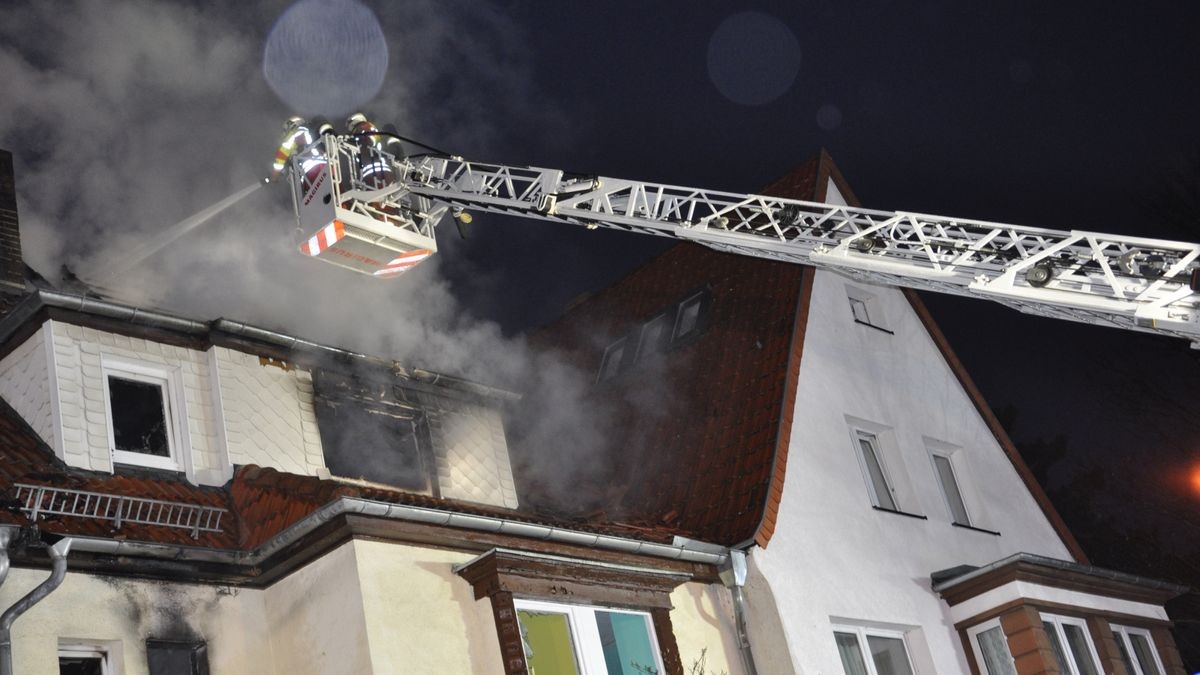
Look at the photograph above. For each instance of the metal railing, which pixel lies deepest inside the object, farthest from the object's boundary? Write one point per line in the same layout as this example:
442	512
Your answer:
39	500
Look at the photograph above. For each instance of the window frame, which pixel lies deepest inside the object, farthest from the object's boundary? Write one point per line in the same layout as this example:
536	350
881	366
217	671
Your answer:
90	650
1058	621
934	454
1122	633
873	437
973	636
861	633
581	618
664	337
174	412
695	300
618	344
876	317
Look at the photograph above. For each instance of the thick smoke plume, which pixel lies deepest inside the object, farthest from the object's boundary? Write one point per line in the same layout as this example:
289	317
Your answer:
125	117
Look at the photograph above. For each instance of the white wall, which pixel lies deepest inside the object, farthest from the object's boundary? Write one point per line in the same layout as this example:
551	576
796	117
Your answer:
25	384
832	555
126	612
702	618
268	414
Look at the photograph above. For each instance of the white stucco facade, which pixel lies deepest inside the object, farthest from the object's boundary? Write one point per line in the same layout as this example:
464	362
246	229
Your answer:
834	559
365	607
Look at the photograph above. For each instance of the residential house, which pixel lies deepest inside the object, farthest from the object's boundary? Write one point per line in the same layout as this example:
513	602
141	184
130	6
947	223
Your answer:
824	427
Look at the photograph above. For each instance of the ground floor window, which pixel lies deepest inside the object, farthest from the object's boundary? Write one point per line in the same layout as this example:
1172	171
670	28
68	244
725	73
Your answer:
83	660
872	651
1137	650
1072	645
563	639
991	648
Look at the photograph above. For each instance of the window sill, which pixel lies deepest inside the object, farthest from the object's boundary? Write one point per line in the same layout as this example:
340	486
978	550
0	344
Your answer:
976	529
878	328
901	513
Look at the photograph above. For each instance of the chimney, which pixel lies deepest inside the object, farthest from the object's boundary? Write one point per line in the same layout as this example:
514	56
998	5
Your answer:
12	265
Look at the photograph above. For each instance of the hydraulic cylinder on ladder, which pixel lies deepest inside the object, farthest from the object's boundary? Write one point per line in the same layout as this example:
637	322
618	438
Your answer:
1129	282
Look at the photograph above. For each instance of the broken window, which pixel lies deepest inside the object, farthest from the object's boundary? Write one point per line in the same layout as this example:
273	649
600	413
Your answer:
83	660
176	658
368	433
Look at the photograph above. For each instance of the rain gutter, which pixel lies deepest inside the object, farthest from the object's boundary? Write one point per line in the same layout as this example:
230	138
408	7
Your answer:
401	512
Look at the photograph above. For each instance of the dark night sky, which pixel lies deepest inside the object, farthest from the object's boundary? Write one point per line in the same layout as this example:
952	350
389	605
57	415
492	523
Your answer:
1052	114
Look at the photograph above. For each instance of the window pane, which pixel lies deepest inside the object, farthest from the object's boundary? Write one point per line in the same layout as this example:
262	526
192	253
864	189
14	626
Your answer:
883	494
689	317
1079	649
950	489
612	360
851	653
1125	654
549	649
997	660
627	643
1145	654
653	337
176	658
859	309
139	422
80	665
1059	656
889	655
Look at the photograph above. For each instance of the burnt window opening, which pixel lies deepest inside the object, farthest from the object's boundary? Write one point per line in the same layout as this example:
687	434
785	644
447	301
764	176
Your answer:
165	657
139	417
368	433
82	661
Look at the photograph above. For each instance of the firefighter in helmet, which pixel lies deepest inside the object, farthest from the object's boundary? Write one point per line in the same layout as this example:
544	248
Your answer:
375	169
299	136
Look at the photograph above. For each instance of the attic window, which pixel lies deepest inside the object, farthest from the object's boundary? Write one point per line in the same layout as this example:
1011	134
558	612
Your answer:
866	309
688	319
367	433
613	356
654	336
141	416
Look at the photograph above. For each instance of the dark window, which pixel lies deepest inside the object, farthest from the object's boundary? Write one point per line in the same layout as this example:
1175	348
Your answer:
613	357
81	665
138	417
688	319
654	336
176	658
367	433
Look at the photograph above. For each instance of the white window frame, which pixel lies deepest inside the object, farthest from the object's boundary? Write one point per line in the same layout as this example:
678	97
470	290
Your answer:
1122	633
90	650
863	434
694	301
863	631
589	651
174	411
616	344
958	485
1058	621
973	635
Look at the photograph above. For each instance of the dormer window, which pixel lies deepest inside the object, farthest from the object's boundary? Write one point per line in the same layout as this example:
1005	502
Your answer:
688	319
141	418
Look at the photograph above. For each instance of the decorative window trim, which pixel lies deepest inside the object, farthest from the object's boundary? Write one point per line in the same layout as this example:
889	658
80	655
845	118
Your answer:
505	575
1122	632
174	411
1058	621
973	637
863	631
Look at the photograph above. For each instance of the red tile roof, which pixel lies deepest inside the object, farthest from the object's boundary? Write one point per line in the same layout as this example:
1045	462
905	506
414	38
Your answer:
700	437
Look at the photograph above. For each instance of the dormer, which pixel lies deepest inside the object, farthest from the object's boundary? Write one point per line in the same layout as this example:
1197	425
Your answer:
117	389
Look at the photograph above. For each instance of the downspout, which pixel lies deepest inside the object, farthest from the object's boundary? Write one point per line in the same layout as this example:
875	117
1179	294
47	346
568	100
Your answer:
58	571
733	575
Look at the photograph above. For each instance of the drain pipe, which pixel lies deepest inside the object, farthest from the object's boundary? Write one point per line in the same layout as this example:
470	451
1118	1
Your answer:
733	575
58	571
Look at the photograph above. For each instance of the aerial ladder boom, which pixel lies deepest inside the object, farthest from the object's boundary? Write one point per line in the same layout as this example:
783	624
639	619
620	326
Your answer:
1128	282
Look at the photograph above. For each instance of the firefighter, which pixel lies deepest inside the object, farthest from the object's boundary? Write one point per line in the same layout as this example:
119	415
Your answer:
375	170
299	136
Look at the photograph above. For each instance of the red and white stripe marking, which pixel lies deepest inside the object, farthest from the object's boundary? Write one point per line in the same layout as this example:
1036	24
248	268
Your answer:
327	236
403	263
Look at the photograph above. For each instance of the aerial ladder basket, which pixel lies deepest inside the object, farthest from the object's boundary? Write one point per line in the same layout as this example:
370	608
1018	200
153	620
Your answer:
354	212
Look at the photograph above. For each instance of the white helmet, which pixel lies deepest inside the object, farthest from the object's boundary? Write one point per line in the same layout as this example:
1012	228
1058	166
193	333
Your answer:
355	120
292	122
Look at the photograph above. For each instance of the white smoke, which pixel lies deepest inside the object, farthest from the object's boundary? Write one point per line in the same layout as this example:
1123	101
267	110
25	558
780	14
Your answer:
127	116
